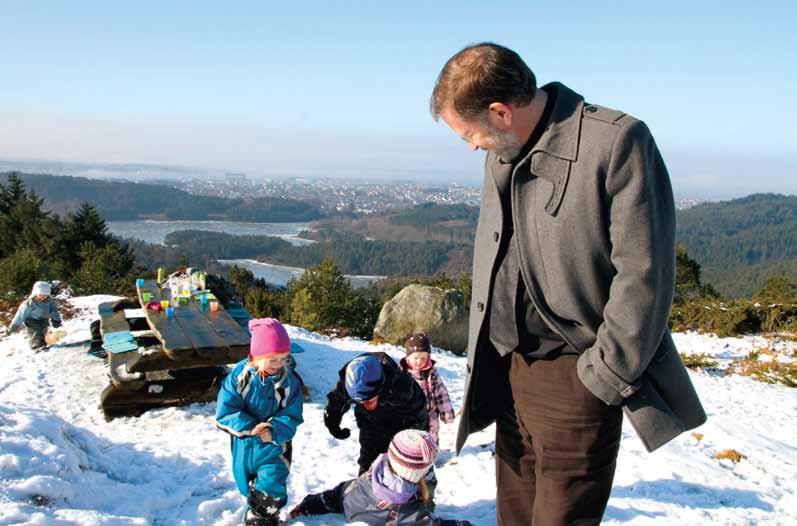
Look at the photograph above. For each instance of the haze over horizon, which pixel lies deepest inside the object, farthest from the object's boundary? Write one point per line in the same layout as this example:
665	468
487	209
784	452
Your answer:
341	89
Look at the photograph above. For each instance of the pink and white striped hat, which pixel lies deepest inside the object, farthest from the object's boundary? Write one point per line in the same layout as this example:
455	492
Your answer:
411	454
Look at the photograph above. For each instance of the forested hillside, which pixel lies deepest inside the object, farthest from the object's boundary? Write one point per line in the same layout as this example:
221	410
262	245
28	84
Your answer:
424	222
741	243
351	253
126	201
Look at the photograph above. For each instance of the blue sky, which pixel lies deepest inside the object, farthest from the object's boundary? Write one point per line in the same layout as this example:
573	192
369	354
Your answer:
342	88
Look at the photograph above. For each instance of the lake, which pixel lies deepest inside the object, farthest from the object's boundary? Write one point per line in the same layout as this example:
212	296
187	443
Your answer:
156	231
279	275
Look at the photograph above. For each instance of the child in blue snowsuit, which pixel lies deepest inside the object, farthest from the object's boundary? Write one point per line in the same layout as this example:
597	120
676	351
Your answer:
260	405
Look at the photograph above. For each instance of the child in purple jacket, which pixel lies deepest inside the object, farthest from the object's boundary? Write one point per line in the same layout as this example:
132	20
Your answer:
397	490
419	364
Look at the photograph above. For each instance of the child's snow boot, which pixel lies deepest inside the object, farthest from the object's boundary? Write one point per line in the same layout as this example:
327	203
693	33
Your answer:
263	509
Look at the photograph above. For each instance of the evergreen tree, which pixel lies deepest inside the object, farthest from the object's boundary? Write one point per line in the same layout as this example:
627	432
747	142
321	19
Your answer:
23	224
104	270
688	285
84	226
321	297
12	194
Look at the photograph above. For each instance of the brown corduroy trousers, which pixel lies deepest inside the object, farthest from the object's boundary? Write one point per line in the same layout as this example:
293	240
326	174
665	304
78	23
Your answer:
556	449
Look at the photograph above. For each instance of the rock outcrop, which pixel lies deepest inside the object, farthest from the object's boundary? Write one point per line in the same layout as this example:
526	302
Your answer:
441	314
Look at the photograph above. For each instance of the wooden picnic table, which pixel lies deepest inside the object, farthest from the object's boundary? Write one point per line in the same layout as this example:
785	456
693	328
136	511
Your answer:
194	330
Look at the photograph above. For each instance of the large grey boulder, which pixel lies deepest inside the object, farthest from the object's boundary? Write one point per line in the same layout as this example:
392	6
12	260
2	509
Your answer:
441	314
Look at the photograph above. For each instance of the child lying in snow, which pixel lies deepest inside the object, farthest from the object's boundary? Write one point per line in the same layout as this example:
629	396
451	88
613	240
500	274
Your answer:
397	489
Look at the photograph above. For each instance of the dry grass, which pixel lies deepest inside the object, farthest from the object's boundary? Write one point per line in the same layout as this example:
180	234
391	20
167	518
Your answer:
771	371
698	436
730	454
377	340
698	361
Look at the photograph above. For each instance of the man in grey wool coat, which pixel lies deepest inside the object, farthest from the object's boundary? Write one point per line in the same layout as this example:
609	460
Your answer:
573	279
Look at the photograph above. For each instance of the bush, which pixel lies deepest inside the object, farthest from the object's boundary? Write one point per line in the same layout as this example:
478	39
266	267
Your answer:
698	361
721	318
322	299
21	270
104	271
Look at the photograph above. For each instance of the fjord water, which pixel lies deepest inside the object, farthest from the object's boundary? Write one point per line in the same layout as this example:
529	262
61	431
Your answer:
279	274
156	231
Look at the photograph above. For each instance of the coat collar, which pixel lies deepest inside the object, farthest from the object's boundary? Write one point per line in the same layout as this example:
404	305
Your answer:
560	138
557	148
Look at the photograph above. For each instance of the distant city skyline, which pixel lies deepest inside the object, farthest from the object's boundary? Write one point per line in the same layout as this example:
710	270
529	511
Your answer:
341	88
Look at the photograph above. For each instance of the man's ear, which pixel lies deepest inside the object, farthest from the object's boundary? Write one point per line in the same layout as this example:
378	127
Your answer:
500	115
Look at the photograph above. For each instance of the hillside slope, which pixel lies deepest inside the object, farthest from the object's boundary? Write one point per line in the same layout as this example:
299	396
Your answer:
742	242
63	465
116	200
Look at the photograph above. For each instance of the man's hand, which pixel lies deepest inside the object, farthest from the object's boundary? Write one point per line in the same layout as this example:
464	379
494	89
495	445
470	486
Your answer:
263	430
332	422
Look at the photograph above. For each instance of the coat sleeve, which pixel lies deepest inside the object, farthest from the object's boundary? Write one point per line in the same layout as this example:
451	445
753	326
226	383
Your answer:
642	232
287	419
410	402
338	402
441	399
23	311
231	416
54	315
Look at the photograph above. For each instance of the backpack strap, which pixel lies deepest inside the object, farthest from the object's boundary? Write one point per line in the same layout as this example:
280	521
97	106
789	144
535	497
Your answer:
242	386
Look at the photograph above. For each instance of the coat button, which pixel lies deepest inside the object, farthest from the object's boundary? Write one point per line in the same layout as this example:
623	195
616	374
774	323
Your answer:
480	306
496	236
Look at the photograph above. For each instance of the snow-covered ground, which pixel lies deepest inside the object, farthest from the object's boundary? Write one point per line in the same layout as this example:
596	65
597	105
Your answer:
62	464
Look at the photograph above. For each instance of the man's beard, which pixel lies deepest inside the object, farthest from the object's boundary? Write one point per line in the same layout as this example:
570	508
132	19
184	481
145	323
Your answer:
504	144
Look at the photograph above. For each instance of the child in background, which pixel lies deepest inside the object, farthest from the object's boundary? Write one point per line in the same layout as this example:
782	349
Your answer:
397	489
260	405
419	364
387	401
36	313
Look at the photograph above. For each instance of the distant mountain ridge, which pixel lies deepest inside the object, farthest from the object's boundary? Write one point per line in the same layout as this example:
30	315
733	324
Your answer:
116	201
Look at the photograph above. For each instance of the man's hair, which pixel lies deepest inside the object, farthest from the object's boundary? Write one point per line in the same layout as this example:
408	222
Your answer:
479	75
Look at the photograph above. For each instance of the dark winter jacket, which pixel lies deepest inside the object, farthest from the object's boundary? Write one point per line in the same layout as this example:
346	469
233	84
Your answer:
402	405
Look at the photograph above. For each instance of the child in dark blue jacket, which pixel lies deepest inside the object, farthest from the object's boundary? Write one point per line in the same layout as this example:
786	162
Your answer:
260	405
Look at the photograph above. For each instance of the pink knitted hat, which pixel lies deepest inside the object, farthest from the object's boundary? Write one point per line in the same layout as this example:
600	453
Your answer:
411	454
268	337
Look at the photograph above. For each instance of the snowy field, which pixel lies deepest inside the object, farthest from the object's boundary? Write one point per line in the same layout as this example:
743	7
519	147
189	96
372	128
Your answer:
62	464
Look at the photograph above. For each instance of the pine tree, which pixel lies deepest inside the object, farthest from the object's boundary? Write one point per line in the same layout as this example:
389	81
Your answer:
84	226
23	221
